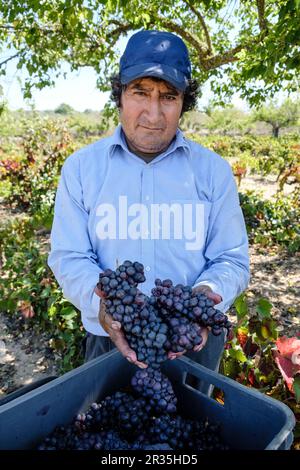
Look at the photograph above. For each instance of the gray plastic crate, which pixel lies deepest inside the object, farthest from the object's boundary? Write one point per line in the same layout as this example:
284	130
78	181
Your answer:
249	419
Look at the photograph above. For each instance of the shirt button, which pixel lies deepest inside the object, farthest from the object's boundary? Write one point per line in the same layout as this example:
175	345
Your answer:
147	268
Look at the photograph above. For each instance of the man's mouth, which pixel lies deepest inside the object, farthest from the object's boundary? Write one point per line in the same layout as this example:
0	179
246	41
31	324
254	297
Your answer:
151	128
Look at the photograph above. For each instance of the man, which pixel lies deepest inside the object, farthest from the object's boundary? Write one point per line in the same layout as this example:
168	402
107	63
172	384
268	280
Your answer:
147	194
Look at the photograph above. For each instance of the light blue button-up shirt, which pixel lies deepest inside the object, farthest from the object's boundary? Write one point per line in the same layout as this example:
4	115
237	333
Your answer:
107	210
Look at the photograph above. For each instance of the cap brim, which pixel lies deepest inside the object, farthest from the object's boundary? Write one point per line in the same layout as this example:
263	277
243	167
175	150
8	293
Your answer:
165	72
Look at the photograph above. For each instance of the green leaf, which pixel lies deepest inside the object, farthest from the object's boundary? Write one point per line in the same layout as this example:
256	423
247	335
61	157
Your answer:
263	308
52	311
296	387
241	306
68	312
238	354
146	17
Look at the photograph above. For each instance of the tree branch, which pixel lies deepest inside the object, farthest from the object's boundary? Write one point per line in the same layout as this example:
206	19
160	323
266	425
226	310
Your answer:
203	24
9	58
122	28
261	15
98	41
6	26
222	59
202	51
229	56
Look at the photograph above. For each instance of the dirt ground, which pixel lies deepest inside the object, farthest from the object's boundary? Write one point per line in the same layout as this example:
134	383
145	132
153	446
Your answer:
26	357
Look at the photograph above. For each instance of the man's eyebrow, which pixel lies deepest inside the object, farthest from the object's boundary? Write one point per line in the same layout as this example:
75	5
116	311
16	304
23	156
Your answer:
170	91
140	86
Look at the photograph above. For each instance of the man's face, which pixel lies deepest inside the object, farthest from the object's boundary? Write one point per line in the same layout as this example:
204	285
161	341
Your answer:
149	114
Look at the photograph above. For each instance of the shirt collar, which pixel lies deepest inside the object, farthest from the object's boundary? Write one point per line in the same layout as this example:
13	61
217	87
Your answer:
118	140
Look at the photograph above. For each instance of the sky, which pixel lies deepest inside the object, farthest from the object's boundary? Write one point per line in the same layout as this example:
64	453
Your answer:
78	90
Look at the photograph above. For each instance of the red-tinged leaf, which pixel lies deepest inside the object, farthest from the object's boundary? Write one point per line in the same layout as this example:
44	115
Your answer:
251	377
250	348
26	309
242	336
286	369
287	346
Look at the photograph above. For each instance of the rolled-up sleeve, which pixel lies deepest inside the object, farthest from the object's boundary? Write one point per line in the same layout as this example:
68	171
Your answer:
71	257
226	249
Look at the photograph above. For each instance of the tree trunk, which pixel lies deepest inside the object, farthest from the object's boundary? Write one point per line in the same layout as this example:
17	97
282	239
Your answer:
275	131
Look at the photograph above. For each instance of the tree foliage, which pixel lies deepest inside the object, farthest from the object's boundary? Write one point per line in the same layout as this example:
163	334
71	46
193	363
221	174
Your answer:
249	47
2	102
64	108
287	114
227	119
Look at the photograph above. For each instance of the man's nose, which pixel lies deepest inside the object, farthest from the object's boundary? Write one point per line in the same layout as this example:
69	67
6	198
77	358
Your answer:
154	111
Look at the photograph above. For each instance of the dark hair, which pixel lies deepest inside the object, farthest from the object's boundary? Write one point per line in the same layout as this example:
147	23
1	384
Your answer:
189	96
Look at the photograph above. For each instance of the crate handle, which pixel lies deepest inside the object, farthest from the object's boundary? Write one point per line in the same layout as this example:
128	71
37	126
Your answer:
206	388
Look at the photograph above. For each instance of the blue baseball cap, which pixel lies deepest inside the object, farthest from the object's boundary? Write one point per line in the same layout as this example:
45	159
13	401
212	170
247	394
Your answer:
156	54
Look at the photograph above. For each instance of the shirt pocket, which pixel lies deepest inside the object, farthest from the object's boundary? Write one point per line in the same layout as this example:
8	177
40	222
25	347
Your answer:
190	227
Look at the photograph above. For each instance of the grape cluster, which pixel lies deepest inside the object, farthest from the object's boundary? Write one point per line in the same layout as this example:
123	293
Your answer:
155	387
104	426
71	438
122	422
169	320
145	331
181	302
184	334
122	411
181	433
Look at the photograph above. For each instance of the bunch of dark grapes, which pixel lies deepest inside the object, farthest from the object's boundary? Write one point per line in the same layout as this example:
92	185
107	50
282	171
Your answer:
123	422
122	279
111	440
181	302
147	336
173	300
206	436
174	430
169	320
71	438
145	331
132	416
160	432
181	433
127	414
183	334
156	388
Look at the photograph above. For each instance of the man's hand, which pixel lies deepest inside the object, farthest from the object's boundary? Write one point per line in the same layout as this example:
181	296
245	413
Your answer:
204	331
209	293
114	329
